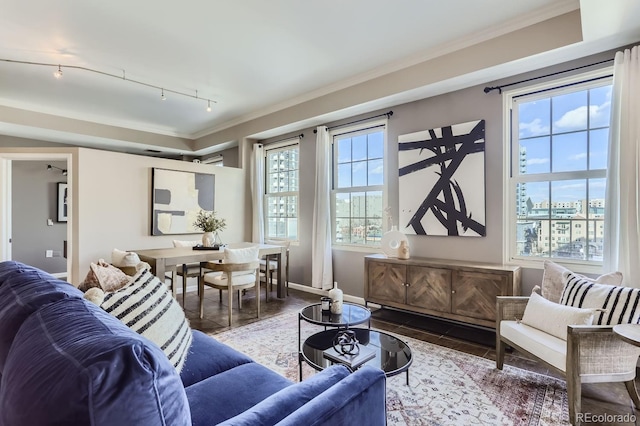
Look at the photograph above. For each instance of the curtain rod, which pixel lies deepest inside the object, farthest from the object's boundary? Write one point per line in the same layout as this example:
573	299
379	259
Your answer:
499	88
300	136
386	114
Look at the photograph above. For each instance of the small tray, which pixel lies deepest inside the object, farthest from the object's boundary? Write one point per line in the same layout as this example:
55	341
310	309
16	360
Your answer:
215	247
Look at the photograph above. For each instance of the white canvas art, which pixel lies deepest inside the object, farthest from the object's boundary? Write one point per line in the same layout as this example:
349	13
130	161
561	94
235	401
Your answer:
442	181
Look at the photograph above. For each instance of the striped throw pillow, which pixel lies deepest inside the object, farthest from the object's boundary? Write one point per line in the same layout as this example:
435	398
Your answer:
147	307
617	305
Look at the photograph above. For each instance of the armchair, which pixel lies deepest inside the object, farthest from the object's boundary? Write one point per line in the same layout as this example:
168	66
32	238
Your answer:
591	354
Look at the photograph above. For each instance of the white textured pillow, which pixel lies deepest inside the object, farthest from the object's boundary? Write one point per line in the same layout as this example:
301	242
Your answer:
147	307
554	318
617	304
124	258
553	281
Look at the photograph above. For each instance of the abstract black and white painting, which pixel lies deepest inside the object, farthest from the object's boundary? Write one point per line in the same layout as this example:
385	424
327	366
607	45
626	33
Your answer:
178	196
442	181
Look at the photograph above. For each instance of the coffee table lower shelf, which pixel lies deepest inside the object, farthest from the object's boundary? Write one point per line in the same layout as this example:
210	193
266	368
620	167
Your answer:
392	355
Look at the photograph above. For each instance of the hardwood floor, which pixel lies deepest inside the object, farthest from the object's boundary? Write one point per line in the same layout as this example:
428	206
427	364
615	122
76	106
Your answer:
606	399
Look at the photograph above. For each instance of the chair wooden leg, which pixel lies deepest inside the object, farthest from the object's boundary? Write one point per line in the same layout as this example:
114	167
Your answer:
220	296
201	291
230	291
574	395
633	392
499	352
239	300
258	291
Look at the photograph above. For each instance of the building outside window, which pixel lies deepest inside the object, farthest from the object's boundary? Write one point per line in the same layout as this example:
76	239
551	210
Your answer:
358	193
282	184
560	136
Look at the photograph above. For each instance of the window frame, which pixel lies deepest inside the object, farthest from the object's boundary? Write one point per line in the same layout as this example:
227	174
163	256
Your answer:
356	130
588	80
269	149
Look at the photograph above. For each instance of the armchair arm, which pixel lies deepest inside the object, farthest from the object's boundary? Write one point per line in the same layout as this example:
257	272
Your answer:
597	350
510	308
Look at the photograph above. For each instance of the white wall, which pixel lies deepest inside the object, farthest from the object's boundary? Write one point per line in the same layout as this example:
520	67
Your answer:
114	204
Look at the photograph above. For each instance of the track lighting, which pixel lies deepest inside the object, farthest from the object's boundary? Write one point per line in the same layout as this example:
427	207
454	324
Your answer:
58	74
50	167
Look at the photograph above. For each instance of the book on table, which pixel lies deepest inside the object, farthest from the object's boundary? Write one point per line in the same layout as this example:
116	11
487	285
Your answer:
352	361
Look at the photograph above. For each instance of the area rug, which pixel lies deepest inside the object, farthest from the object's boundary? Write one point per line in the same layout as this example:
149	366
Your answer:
446	387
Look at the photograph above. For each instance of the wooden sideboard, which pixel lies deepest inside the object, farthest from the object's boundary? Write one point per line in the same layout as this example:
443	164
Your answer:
461	291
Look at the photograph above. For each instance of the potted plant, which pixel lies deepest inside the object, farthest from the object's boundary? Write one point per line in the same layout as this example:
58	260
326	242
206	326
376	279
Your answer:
210	224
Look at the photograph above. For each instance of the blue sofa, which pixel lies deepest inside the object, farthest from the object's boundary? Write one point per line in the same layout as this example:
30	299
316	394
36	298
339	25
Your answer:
63	360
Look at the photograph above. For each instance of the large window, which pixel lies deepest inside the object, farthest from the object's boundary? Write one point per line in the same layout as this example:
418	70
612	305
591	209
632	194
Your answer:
281	187
358	185
558	171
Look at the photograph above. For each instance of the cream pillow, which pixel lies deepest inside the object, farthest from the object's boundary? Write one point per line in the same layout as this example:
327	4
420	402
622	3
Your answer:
124	258
554	318
553	281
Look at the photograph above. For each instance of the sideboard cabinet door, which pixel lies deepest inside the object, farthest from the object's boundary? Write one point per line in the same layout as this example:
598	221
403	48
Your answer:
474	293
387	281
429	288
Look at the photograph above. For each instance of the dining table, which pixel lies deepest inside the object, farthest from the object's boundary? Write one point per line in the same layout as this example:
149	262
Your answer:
163	260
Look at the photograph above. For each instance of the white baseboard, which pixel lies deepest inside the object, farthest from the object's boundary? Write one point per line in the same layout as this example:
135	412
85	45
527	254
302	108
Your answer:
320	292
300	287
60	275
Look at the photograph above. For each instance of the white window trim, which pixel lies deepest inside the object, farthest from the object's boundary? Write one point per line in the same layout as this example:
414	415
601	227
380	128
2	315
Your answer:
281	146
509	184
360	129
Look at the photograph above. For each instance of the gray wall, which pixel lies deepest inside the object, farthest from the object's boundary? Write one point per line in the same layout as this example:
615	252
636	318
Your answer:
34	198
450	108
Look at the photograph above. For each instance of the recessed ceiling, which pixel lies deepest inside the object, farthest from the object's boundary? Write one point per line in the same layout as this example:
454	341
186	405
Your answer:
250	57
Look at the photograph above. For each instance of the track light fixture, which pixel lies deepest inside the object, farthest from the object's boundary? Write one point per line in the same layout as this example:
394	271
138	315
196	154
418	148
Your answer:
50	167
58	74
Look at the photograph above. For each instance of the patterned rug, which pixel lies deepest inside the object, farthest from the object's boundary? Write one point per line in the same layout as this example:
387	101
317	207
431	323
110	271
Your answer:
446	387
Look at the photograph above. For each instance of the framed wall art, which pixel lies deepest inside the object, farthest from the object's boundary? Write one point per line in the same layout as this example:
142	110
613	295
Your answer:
177	197
442	181
62	205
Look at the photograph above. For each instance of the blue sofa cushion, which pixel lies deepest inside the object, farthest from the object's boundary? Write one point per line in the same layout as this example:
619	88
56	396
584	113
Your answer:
208	357
24	290
72	363
279	405
227	394
361	397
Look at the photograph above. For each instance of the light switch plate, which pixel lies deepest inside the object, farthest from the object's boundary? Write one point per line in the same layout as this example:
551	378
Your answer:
49	253
49	222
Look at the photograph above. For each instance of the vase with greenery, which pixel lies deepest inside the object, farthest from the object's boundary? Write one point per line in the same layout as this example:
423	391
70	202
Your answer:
210	224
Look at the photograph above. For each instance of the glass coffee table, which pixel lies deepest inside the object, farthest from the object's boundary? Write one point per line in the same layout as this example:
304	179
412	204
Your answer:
352	314
392	355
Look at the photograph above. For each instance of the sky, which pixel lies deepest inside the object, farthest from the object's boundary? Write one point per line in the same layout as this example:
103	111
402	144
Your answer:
563	134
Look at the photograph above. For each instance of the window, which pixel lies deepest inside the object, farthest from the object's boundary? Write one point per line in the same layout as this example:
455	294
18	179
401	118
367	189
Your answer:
560	138
358	184
281	190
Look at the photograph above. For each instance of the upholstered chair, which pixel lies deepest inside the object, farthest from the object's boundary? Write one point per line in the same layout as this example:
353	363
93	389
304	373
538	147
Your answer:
239	270
557	335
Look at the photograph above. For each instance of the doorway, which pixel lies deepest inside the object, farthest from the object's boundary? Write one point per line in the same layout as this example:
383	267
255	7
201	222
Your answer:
34	224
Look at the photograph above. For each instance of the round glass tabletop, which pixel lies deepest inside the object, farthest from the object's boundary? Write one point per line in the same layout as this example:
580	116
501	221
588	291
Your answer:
352	314
392	355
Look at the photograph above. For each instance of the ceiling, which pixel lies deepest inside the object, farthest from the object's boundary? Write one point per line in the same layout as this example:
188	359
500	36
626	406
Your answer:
250	58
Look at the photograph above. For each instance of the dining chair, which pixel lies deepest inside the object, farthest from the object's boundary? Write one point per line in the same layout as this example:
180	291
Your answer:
239	270
269	267
186	270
